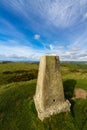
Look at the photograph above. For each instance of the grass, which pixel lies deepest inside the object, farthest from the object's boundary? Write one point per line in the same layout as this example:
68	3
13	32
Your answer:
17	109
14	101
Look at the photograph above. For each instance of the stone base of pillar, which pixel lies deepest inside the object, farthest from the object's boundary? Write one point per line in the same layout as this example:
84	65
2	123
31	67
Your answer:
52	110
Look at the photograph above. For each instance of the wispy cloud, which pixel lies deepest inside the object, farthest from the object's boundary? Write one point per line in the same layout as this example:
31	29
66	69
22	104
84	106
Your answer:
85	16
8	29
62	13
12	36
76	50
63	20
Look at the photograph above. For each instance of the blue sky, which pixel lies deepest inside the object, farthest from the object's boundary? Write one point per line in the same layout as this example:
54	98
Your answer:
32	28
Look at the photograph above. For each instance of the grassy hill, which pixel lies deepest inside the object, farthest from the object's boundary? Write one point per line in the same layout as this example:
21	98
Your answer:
17	87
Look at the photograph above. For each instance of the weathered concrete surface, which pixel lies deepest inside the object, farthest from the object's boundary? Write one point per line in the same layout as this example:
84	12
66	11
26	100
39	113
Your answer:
49	97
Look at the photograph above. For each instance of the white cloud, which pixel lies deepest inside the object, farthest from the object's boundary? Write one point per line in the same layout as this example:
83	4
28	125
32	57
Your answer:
27	53
76	51
51	47
36	36
60	47
12	50
19	53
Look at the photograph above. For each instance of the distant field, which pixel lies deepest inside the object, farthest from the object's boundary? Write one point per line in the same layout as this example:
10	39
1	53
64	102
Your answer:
17	88
17	72
77	72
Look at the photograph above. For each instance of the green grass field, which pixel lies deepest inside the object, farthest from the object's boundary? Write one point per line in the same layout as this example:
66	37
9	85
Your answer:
17	88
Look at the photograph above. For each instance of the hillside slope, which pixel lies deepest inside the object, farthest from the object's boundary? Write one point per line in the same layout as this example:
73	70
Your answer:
17	109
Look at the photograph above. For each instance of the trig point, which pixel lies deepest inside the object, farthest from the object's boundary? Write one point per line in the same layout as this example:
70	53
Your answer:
49	97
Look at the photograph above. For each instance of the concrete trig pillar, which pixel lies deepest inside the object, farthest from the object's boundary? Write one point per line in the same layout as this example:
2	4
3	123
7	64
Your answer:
49	97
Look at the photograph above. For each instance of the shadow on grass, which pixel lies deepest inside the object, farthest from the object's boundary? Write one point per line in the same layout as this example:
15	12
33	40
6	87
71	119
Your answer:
69	86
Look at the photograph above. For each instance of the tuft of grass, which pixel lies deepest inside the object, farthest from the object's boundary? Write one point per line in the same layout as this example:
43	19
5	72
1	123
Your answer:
80	114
